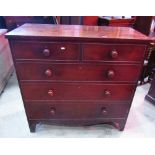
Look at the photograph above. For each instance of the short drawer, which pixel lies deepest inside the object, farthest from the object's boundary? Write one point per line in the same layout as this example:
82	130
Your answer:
75	111
114	52
78	72
46	51
77	91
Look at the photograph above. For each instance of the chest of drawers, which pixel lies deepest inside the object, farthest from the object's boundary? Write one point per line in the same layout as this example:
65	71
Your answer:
77	75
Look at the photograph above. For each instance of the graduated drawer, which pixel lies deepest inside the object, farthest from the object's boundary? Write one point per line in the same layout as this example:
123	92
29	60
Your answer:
114	52
78	72
46	51
75	111
77	91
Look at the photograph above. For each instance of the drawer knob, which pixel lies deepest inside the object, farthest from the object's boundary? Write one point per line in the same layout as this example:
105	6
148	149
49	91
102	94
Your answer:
104	111
46	52
52	111
62	48
107	92
114	54
50	93
110	74
48	73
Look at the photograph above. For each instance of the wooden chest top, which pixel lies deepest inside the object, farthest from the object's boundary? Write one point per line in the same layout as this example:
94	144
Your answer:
76	32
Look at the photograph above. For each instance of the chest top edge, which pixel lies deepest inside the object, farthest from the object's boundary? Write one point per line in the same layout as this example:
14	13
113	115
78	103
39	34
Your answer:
76	33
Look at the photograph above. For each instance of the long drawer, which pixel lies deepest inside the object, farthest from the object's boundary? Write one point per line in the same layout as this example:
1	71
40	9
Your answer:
46	50
113	52
77	91
75	111
78	72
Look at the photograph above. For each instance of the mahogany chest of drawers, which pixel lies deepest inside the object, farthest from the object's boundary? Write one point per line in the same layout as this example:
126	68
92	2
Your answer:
77	75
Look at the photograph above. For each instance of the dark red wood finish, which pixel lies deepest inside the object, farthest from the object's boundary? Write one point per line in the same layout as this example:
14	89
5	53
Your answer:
79	33
73	111
114	52
77	91
78	72
47	51
77	75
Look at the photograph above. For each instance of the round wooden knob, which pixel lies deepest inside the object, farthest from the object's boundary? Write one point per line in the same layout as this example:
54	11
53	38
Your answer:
50	93
46	52
52	111
111	74
48	73
107	92
104	111
114	54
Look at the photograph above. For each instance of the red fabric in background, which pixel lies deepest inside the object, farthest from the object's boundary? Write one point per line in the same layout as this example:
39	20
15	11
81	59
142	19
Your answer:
90	20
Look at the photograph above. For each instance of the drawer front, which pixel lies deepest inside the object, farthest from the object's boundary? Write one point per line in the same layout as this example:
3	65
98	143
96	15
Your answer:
77	91
107	52
75	111
78	72
46	51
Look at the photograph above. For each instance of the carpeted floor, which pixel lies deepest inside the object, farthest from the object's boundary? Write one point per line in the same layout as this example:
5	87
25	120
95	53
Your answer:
13	123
